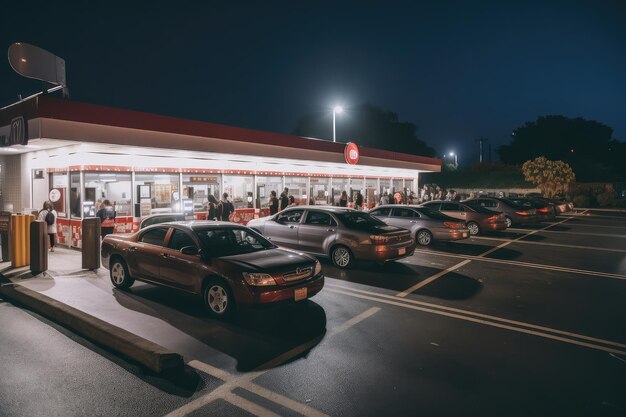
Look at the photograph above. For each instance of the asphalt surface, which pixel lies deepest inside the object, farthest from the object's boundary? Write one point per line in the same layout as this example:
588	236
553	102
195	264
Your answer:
531	321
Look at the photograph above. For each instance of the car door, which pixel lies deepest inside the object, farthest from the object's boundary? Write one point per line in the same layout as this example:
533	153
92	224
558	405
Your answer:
283	230
316	232
144	258
453	210
177	269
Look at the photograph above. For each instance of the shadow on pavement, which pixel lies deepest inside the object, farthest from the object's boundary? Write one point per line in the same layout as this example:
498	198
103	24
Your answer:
451	286
253	337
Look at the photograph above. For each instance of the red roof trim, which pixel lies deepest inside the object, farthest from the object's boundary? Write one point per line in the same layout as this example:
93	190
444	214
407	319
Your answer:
53	108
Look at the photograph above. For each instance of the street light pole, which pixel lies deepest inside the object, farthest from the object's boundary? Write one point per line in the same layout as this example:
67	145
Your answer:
336	109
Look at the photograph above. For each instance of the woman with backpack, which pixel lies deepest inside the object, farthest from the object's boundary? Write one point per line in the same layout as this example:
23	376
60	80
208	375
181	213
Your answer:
107	218
49	215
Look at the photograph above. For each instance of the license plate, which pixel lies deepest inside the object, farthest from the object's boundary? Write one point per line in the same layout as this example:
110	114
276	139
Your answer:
299	294
464	234
401	251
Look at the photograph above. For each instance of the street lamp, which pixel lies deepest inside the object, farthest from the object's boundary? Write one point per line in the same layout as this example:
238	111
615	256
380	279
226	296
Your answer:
455	160
336	110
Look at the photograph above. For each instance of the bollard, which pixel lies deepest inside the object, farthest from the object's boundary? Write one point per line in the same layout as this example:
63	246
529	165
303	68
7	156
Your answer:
20	239
91	243
38	247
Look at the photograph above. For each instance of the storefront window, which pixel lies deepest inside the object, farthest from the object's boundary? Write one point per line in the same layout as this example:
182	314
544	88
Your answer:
320	190
75	195
408	191
385	189
58	192
297	188
157	193
264	186
371	192
239	189
112	186
198	187
337	186
356	185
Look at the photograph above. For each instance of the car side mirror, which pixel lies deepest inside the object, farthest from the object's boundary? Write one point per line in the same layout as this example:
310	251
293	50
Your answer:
190	250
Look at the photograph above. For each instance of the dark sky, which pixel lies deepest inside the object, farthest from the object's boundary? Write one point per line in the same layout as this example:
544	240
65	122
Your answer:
458	70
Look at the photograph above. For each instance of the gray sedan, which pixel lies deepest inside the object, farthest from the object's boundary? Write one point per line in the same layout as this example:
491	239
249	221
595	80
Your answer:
343	234
425	224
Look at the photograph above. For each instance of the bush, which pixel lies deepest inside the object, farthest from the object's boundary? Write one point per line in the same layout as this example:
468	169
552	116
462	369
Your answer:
581	200
606	198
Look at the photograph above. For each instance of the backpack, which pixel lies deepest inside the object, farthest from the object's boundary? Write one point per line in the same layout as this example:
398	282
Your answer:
50	218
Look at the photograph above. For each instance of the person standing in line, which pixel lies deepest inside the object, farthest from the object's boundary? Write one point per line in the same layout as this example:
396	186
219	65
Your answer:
343	200
292	201
384	199
48	215
227	208
284	198
212	208
273	203
358	201
106	213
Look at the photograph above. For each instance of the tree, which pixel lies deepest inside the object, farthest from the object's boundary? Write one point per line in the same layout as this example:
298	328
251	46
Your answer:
366	125
551	177
585	144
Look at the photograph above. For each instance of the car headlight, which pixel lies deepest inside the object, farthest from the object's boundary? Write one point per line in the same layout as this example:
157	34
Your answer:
258	279
318	268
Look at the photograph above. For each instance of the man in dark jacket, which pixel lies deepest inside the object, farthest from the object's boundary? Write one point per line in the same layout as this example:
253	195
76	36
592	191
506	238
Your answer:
273	203
227	208
284	199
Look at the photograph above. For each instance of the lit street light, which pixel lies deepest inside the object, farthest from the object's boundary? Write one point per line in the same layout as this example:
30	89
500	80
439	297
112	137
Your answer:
336	110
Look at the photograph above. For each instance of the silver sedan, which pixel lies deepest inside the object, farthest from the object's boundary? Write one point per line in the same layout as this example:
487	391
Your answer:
425	224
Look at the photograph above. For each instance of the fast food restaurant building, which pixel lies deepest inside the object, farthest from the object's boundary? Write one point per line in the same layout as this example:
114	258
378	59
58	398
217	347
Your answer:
77	154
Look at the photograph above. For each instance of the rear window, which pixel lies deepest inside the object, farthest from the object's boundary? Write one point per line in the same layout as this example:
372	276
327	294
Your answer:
358	220
434	214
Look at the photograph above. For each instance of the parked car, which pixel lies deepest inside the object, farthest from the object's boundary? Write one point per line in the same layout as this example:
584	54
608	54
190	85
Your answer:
229	265
343	234
560	206
545	210
477	219
160	218
424	223
513	212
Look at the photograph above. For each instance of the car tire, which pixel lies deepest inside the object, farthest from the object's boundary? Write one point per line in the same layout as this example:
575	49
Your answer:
509	221
473	228
219	299
424	237
341	257
120	277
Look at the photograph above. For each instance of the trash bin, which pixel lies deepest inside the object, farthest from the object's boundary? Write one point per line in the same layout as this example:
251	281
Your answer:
91	243
38	247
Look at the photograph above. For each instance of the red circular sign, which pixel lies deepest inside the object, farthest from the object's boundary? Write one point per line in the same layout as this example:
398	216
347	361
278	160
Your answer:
351	152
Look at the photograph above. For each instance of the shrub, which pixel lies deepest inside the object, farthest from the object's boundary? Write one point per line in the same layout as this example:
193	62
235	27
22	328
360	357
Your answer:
606	198
581	200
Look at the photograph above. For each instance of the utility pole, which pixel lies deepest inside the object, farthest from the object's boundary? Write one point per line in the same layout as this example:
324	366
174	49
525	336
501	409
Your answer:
480	141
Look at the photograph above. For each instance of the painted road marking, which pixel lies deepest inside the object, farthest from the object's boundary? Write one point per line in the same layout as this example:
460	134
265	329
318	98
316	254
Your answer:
245	381
525	264
468	260
561	245
404	304
248	406
564	232
476	314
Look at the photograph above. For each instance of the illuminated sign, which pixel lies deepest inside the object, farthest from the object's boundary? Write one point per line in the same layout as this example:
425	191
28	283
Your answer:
351	153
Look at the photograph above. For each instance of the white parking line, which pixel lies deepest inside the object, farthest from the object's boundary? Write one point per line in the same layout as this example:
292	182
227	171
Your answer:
525	264
562	245
404	304
248	406
468	260
245	381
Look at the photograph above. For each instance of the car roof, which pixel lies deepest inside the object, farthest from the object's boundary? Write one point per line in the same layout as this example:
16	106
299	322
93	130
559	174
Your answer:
197	224
334	209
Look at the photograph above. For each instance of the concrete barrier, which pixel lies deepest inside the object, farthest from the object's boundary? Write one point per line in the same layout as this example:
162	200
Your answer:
147	353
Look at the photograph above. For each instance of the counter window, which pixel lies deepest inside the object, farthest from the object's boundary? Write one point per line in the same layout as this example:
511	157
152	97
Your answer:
320	190
112	186
198	187
75	195
157	193
337	186
58	192
264	186
239	189
297	188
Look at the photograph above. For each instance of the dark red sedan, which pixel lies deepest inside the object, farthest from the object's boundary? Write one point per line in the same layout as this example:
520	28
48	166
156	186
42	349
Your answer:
229	265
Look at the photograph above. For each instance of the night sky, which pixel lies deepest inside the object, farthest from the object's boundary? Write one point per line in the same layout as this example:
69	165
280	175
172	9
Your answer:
458	70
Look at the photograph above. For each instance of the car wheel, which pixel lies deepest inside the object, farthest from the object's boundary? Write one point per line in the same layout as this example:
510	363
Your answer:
219	299
424	237
119	274
341	257
509	222
473	228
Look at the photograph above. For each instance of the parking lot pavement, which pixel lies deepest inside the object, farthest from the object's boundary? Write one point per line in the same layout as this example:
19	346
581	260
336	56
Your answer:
482	326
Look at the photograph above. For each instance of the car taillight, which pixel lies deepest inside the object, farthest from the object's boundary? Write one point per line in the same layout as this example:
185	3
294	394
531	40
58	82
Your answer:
379	240
454	225
522	213
544	209
493	219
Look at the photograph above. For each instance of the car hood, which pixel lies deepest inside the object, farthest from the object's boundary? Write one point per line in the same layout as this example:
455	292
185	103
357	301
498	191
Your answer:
271	260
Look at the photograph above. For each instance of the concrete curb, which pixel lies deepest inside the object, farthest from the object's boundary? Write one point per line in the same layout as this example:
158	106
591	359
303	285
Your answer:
147	353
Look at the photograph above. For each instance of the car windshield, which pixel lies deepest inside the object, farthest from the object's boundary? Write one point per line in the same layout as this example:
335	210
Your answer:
433	214
513	203
358	219
479	209
231	241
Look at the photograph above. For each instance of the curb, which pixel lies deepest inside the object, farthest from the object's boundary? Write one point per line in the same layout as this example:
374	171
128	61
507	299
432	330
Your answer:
149	354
